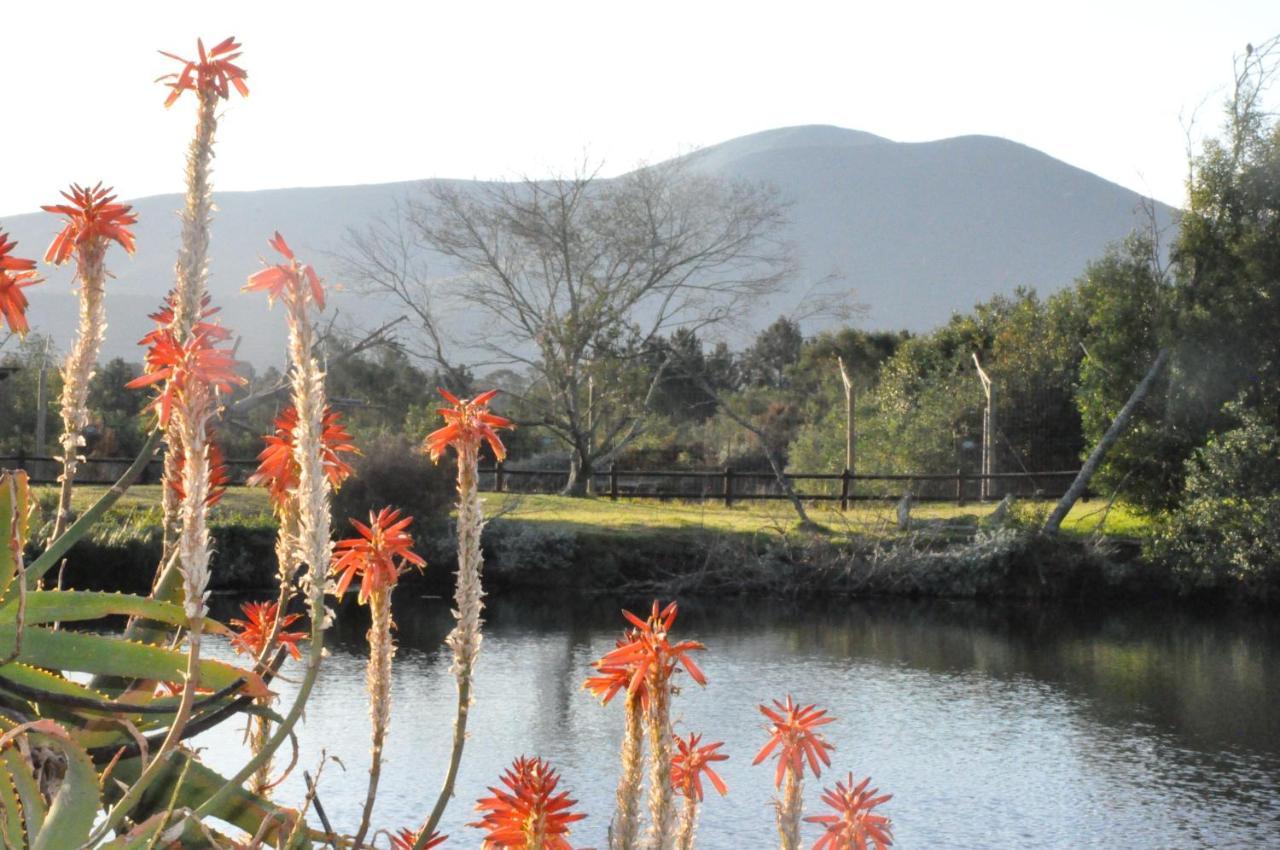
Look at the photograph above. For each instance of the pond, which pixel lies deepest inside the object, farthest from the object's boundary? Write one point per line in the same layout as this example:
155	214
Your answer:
993	725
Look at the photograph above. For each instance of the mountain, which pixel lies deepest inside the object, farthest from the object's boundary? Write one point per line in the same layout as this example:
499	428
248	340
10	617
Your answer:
916	230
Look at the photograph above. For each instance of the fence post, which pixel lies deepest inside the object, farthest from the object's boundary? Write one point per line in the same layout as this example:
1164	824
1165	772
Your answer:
844	489
728	487
499	477
613	482
960	487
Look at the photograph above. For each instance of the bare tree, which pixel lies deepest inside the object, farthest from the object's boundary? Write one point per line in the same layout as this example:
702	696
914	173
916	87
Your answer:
574	279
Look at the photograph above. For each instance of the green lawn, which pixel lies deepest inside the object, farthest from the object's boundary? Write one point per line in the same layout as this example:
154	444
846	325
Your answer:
236	502
879	518
628	516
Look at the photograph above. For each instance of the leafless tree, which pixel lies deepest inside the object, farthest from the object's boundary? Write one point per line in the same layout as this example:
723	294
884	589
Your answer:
574	280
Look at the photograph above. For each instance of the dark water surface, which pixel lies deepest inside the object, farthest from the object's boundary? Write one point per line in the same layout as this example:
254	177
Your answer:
992	725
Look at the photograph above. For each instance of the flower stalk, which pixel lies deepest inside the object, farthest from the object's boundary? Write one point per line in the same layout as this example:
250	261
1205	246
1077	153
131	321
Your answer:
91	221
208	79
469	422
795	741
378	555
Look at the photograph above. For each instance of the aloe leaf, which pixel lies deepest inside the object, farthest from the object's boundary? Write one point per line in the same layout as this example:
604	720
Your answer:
93	653
13	833
242	809
24	783
48	606
141	837
75	806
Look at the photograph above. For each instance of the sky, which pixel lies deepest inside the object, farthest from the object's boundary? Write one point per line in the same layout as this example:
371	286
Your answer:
374	91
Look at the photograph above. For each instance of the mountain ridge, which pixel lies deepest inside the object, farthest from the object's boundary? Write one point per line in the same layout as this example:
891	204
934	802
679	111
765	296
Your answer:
918	230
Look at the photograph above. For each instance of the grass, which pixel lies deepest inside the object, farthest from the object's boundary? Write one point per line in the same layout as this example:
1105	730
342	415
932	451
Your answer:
627	517
237	502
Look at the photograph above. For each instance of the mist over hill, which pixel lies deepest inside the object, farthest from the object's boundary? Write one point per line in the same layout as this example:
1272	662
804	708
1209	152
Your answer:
916	230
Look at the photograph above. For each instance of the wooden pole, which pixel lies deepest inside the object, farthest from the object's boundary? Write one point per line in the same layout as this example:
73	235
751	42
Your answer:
988	433
728	487
849	427
845	478
1077	488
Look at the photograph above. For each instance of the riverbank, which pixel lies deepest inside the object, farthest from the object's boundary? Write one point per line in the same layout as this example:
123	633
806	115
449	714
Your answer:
596	546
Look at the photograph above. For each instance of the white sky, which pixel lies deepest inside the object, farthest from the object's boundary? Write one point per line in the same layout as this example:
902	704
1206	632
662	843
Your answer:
369	91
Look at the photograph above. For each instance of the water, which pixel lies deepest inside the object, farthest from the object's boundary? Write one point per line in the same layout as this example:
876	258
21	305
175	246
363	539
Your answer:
993	726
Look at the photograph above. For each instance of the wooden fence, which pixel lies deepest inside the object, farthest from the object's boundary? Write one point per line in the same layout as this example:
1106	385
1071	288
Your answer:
729	485
725	485
44	469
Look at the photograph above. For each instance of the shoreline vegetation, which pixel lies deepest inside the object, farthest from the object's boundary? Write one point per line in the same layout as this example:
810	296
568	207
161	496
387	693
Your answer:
551	542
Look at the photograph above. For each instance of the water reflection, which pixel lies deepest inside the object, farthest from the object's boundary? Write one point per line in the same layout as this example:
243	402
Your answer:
993	725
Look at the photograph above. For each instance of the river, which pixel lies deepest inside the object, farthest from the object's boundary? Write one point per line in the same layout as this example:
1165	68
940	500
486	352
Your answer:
993	725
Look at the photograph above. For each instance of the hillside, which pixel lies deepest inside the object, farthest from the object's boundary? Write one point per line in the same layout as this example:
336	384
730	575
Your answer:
917	230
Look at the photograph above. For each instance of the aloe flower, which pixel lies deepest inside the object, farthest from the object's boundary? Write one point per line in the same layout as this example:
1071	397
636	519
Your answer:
692	761
468	423
795	741
16	274
609	681
208	78
406	838
378	554
92	220
854	825
263	627
527	813
653	660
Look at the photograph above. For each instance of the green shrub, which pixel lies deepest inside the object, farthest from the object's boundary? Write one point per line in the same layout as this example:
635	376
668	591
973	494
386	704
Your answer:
393	472
1226	531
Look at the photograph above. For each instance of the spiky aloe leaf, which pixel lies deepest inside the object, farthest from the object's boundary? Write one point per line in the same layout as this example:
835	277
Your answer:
49	606
13	832
75	804
141	837
243	809
99	654
24	784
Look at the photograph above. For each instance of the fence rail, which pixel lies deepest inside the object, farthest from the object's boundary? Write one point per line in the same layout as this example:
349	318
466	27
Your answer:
45	469
727	485
730	485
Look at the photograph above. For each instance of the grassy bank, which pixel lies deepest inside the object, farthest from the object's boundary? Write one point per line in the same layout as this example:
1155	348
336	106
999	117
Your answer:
595	544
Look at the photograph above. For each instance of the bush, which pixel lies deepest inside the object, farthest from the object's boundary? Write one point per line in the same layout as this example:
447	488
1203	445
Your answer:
393	472
1226	531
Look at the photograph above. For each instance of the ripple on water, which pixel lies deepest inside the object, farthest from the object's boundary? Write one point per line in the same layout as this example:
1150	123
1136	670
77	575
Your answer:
991	726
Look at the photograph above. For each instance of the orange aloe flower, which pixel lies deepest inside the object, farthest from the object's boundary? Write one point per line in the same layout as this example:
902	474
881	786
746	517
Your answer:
183	366
404	839
163	319
528	813
793	733
612	679
292	278
650	649
210	75
854	826
15	274
260	619
278	469
91	215
378	555
469	422
692	759
219	474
